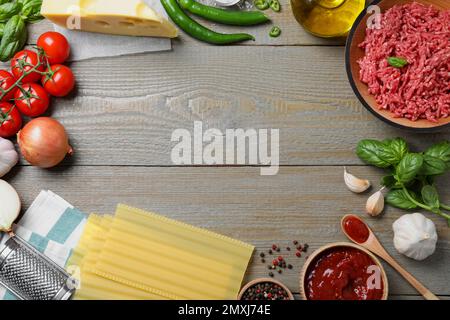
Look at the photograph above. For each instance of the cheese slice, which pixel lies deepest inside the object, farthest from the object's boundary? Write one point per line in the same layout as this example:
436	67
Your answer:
121	17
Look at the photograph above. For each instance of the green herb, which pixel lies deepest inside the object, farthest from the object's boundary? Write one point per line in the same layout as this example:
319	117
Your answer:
13	18
14	38
261	4
370	152
31	10
411	175
275	32
397	62
398	198
9	10
408	168
275	5
430	197
440	151
394	150
433	166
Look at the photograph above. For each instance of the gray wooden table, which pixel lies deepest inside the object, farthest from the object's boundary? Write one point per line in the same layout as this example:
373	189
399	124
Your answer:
125	109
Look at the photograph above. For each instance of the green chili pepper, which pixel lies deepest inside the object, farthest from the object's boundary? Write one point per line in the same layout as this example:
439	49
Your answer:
231	17
198	31
275	5
275	32
397	62
261	4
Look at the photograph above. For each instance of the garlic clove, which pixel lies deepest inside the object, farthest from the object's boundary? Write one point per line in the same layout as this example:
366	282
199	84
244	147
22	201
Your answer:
375	203
355	184
10	206
8	156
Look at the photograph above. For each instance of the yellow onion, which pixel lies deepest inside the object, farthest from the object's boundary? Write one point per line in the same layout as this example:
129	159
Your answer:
44	142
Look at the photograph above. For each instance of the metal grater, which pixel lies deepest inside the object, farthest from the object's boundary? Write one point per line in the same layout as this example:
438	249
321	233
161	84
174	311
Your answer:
30	275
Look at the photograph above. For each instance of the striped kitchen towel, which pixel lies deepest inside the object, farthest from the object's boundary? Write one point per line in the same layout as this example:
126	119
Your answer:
52	225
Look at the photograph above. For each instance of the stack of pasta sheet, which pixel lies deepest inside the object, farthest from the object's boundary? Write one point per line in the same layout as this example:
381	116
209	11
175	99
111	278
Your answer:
141	255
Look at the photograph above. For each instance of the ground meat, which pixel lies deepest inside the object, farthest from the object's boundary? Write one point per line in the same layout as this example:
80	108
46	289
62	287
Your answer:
421	35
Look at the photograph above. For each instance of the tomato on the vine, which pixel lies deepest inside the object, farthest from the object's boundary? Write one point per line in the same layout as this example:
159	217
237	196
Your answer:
10	120
7	80
32	100
59	80
24	61
55	46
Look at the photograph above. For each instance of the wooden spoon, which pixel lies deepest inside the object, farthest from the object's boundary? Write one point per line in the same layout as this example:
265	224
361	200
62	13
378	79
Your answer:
372	244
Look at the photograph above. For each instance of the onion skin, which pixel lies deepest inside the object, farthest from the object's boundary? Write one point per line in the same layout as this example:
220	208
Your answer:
44	142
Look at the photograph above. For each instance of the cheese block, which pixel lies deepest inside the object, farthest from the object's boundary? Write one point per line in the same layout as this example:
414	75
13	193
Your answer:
121	17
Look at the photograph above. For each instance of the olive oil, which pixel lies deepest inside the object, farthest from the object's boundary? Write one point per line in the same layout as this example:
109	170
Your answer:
327	18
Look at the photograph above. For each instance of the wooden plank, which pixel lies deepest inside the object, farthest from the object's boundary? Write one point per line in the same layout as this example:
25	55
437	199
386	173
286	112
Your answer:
125	109
292	32
301	203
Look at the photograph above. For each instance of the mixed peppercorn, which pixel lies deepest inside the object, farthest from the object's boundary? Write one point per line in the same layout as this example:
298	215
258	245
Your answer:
278	261
265	291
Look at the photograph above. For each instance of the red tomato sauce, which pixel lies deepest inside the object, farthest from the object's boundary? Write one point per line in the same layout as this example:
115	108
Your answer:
356	229
341	273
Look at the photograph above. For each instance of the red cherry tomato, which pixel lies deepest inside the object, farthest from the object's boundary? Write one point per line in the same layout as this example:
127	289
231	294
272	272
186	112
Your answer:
7	80
10	120
32	101
59	80
24	61
55	46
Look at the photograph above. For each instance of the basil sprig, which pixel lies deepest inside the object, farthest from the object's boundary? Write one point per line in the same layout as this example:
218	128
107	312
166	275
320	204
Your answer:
397	62
31	10
411	175
14	38
9	10
13	18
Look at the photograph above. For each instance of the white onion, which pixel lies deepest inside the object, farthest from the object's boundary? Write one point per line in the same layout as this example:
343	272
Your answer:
10	206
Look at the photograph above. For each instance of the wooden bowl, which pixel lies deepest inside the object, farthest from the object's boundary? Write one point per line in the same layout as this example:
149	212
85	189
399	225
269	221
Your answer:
319	251
263	280
354	53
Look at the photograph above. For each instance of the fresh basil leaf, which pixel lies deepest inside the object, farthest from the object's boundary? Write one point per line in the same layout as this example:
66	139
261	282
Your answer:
2	29
409	167
430	196
433	166
397	62
394	150
397	198
441	151
388	181
31	9
14	38
369	151
8	10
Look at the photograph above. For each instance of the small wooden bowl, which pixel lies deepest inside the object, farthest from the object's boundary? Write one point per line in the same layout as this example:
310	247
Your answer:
335	245
264	280
353	53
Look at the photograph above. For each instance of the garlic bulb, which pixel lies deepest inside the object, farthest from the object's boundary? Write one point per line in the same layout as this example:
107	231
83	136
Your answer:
375	203
8	156
415	236
10	206
355	184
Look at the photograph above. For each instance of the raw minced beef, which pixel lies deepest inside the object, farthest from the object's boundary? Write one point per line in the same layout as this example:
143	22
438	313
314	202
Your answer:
421	35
